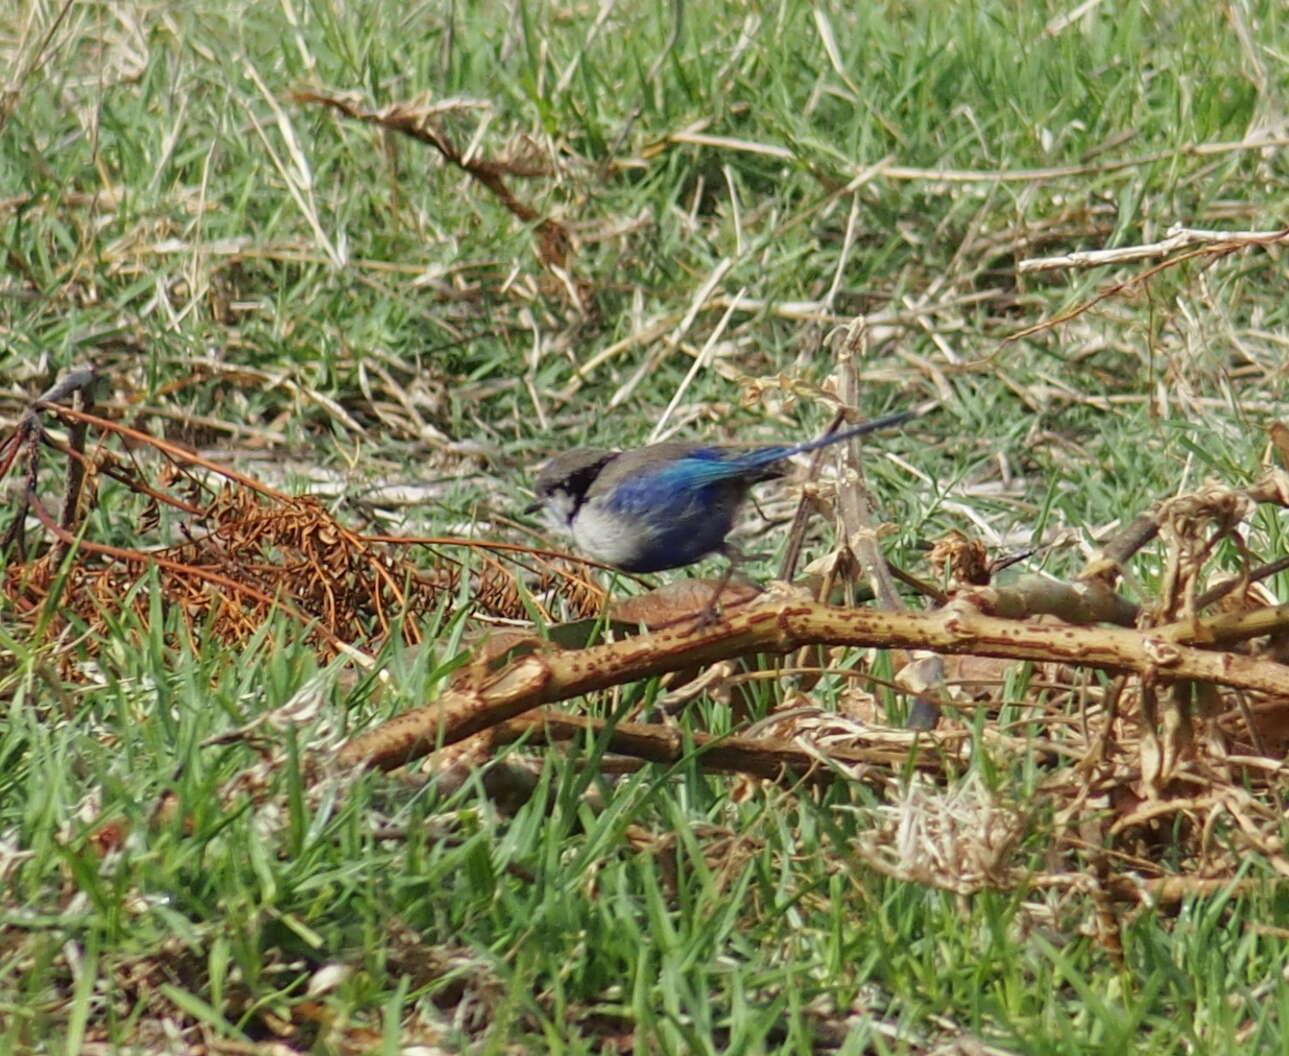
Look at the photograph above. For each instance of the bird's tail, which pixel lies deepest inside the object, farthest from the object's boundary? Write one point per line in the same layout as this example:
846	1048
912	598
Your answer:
767	456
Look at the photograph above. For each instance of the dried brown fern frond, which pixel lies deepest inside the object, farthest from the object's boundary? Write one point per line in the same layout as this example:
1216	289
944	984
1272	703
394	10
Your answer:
227	552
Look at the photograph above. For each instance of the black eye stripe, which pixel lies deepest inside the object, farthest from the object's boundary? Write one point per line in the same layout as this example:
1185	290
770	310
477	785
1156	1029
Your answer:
579	482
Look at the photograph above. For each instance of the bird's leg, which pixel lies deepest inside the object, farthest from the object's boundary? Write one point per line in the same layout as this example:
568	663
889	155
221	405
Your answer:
734	558
751	497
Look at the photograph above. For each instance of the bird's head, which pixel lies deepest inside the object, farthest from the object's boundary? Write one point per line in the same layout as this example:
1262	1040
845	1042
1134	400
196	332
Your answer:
563	482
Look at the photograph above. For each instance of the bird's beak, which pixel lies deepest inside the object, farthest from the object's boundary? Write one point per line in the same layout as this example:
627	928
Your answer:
533	507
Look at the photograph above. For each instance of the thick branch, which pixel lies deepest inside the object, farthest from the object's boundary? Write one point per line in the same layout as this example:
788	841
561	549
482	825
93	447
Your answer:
780	627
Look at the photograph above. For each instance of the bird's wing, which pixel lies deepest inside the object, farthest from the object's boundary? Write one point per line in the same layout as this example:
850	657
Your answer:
716	465
651	480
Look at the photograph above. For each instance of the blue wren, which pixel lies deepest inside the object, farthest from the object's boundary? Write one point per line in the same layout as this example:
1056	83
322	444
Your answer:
665	505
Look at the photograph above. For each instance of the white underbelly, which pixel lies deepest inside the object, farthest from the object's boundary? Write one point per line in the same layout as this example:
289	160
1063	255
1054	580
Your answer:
607	538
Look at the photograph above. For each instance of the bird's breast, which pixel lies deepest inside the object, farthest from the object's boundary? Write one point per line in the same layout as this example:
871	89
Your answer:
610	537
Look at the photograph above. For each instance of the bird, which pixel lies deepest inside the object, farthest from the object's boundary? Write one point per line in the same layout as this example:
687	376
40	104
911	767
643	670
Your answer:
666	505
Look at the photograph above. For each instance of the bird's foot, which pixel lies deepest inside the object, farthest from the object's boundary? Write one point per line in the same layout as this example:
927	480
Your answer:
711	612
710	616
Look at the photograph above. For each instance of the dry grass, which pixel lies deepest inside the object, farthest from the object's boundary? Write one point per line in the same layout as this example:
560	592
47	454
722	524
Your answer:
344	285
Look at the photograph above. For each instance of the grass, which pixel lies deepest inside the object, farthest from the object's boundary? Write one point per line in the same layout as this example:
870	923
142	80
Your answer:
332	306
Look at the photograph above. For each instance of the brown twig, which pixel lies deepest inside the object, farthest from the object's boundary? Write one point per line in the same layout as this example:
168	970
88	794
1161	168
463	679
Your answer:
1178	237
1114	290
553	243
179	454
765	757
1220	590
83	395
28	436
